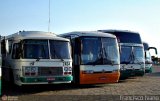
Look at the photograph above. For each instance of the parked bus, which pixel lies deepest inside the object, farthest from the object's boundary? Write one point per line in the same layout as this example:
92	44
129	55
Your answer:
131	53
148	58
35	57
0	69
95	57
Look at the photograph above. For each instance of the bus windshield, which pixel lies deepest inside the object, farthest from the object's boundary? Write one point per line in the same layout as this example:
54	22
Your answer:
131	54
138	54
147	55
98	51
35	49
126	55
39	49
59	49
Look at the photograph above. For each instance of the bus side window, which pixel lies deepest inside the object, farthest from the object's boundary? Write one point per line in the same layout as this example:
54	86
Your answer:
3	49
10	46
16	51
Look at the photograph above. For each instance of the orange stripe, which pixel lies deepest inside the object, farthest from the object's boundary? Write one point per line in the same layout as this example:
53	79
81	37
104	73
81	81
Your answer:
99	78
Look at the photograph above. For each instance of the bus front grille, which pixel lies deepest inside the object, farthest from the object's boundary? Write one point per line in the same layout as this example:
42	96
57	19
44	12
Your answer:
50	71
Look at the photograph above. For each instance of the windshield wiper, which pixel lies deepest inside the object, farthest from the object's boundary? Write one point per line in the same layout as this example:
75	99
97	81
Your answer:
38	58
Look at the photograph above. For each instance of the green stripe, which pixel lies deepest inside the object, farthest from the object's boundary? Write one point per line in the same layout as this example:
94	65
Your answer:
44	79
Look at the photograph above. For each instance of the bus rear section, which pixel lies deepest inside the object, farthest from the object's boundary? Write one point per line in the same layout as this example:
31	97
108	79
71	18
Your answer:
95	57
131	52
33	57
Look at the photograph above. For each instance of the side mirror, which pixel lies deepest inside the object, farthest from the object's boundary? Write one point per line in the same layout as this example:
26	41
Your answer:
120	50
154	49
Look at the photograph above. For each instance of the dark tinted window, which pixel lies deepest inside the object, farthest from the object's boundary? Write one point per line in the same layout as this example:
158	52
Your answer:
34	49
126	54
126	37
16	51
59	49
145	46
98	51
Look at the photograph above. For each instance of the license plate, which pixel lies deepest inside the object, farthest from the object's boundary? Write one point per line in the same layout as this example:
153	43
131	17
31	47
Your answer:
50	79
102	78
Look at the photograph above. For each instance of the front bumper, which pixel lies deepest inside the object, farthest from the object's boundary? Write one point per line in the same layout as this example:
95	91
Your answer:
126	73
46	80
139	72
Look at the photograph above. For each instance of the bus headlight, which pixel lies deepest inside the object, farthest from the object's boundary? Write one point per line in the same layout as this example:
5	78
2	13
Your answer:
70	68
66	69
27	69
123	68
33	69
30	71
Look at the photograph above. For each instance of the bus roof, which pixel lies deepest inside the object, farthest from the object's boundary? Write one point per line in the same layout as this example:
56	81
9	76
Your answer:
125	36
88	33
115	30
34	35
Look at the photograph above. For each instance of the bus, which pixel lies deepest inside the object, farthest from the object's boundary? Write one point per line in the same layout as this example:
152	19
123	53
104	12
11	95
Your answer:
36	57
95	57
131	52
0	69
148	58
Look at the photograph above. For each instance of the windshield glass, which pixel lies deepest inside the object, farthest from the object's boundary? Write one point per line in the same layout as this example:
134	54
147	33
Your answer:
90	49
98	51
148	56
110	51
60	49
126	54
138	53
36	49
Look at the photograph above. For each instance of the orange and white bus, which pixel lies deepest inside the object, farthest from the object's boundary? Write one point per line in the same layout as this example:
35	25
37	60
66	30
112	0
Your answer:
95	57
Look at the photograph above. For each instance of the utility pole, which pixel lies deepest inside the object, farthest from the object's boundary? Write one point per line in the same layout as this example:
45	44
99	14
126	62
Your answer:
49	18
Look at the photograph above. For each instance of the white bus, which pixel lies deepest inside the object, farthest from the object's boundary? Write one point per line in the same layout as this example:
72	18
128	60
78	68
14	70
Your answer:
0	69
95	57
148	58
131	52
35	57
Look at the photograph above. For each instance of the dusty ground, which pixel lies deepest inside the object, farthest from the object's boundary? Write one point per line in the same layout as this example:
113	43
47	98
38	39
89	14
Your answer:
146	88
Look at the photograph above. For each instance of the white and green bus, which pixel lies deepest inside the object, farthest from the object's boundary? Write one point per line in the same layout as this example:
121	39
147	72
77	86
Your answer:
0	69
35	57
148	58
131	52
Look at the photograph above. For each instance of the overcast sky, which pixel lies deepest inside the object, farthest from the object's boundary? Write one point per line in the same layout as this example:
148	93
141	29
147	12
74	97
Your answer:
142	16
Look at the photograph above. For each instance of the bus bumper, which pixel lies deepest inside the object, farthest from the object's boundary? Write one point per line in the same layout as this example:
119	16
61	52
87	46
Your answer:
46	80
126	73
99	78
148	69
139	72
